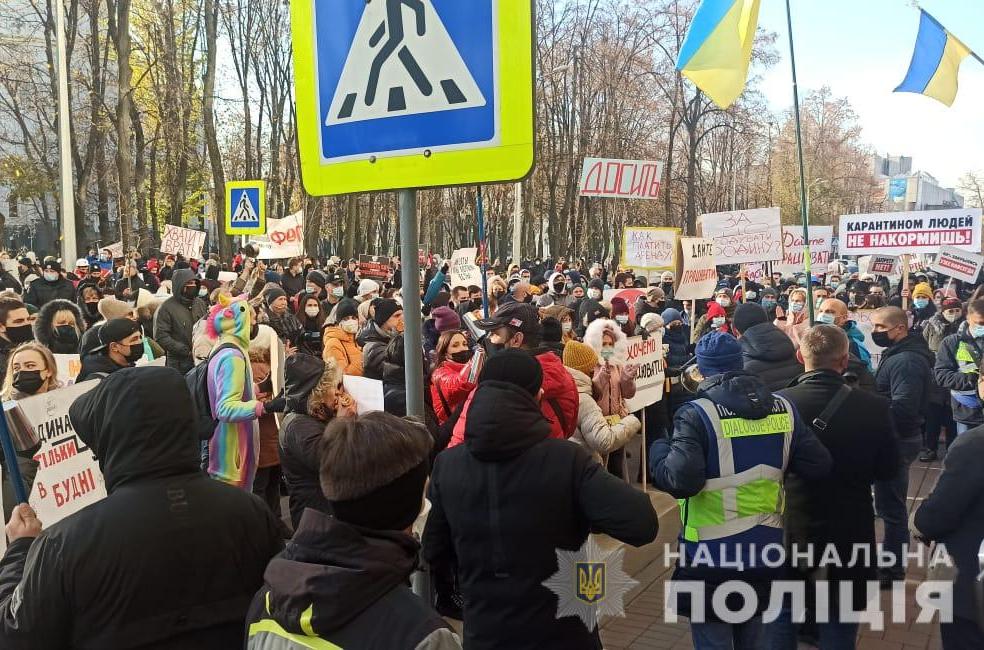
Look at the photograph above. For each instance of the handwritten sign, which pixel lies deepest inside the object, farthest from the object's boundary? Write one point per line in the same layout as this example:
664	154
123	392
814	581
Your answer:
621	179
648	354
367	393
697	276
649	249
958	264
69	366
908	233
821	243
284	238
744	235
463	270
116	250
182	241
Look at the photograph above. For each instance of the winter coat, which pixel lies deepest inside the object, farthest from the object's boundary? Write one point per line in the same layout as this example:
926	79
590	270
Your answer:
769	355
350	586
287	327
41	292
233	450
342	347
935	330
678	338
837	509
45	334
594	431
921	317
953	514
169	559
905	377
855	341
300	434
558	403
395	395
97	366
948	375
794	325
612	383
8	281
449	387
174	321
133	285
292	284
374	351
503	504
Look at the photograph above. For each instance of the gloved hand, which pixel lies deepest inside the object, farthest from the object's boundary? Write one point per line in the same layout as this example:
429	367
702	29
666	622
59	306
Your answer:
276	405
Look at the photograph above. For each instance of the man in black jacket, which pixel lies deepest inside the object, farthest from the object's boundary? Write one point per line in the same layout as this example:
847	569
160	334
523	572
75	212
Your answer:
176	318
904	378
508	499
766	351
836	511
169	559
50	286
343	578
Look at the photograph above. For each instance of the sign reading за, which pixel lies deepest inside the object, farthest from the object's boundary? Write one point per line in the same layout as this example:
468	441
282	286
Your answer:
909	233
649	249
621	179
744	235
958	264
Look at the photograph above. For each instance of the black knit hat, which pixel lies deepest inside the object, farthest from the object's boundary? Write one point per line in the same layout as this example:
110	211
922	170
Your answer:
515	367
748	315
272	294
317	277
346	308
385	308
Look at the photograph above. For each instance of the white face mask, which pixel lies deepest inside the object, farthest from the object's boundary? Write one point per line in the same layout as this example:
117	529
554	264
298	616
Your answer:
595	294
718	321
312	312
567	326
951	316
723	301
622	319
338	292
351	325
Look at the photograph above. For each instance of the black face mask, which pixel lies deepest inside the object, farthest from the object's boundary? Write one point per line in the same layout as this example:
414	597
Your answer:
92	308
462	356
189	293
20	334
28	381
476	304
136	351
491	349
881	339
67	334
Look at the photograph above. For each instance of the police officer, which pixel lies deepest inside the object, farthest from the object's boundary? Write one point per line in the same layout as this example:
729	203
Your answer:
726	462
958	368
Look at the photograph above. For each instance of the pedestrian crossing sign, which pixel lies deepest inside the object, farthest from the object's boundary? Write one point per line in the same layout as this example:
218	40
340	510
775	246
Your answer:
246	208
412	93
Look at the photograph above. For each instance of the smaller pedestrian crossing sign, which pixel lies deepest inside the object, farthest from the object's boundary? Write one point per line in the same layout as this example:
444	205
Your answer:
246	208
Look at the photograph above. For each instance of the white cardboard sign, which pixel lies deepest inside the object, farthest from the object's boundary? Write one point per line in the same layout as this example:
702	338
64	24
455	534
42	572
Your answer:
744	236
621	179
909	233
182	241
698	276
648	355
821	240
464	272
649	249
958	264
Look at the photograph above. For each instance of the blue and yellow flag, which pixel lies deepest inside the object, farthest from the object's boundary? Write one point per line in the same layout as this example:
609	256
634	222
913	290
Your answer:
935	62
718	48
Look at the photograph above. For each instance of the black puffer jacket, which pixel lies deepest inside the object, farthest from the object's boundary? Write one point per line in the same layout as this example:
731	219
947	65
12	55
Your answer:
905	377
353	583
504	502
174	321
170	559
769	355
300	434
374	350
48	337
41	292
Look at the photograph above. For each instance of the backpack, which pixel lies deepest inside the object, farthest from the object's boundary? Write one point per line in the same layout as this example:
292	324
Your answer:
197	381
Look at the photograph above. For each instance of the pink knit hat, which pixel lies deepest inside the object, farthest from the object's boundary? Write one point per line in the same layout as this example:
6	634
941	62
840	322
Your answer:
446	319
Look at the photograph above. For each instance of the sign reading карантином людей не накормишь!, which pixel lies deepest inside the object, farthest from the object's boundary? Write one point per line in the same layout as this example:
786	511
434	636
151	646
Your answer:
910	233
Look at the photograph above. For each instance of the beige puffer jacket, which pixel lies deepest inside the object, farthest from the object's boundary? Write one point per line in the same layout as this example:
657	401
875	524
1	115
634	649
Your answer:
593	430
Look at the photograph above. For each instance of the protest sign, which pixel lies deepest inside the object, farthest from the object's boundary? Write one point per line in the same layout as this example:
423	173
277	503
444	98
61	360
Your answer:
10	266
909	233
463	270
227	276
182	241
284	238
697	276
621	179
821	240
116	250
374	267
863	319
649	249
878	264
648	355
68	366
68	477
367	393
744	235
958	264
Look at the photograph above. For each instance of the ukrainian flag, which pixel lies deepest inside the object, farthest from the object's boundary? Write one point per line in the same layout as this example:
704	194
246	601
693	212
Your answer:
935	62
718	48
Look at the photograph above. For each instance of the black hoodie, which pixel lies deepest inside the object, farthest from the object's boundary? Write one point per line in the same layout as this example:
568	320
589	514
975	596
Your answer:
504	502
905	376
349	586
169	559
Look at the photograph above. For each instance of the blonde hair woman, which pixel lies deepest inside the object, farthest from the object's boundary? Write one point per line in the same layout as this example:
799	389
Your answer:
31	370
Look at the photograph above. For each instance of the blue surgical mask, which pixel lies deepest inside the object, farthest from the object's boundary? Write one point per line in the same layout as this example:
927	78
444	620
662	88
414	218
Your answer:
921	303
978	331
718	321
768	303
795	307
826	319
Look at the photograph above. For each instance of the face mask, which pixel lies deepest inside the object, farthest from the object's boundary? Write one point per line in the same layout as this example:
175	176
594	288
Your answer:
595	294
977	331
338	292
28	381
724	302
881	339
834	284
103	258
718	321
189	292
558	289
752	295
795	307
921	303
951	316
567	327
492	348
136	351
312	312
20	334
476	304
50	276
66	334
826	319
351	326
203	292
462	356
92	308
607	353
622	319
801	282
768	304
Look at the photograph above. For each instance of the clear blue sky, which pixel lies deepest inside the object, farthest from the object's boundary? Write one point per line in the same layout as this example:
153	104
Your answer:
861	49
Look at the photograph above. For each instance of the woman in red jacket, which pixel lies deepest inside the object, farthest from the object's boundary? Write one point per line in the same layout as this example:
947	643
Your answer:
449	381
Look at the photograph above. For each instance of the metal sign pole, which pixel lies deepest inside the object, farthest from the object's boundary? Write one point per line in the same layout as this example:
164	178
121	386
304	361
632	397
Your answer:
407	200
483	252
10	460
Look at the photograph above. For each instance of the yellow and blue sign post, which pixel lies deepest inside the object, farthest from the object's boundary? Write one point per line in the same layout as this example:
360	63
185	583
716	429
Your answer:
245	208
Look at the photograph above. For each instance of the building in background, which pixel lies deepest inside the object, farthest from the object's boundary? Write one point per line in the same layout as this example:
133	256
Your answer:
911	190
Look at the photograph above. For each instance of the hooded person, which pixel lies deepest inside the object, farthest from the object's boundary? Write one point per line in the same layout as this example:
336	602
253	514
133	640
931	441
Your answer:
766	351
343	581
340	339
175	320
59	326
129	570
544	493
621	315
88	299
386	323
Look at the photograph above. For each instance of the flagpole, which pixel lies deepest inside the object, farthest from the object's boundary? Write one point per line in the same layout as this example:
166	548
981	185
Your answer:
804	213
